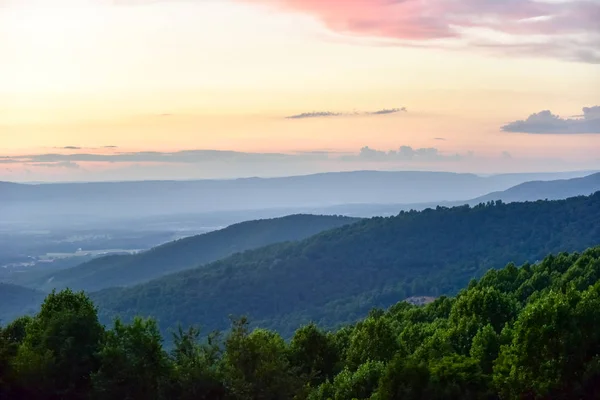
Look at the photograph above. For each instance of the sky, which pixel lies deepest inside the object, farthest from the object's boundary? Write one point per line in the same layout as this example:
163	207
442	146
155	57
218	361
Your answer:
186	89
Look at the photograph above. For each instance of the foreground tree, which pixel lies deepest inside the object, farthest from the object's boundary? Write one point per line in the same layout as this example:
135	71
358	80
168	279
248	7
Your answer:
59	351
11	338
313	354
196	374
255	365
133	363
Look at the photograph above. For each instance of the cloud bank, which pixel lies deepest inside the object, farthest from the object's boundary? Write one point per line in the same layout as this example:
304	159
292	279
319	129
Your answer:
563	29
546	122
179	157
62	164
406	154
216	164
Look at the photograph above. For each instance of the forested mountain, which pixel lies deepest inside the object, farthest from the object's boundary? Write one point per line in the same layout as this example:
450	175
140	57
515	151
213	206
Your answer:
546	190
338	275
17	300
125	270
518	333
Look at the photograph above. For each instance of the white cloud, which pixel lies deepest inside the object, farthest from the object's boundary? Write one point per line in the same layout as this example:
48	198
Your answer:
547	122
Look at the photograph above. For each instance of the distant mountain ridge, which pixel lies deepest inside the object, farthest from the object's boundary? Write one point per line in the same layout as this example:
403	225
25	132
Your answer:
551	190
117	200
528	191
190	252
338	275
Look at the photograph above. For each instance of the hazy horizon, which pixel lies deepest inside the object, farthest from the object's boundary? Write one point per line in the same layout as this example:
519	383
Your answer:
551	174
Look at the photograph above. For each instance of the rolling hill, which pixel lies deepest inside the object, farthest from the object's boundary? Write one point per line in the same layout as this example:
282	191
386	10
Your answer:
338	275
126	270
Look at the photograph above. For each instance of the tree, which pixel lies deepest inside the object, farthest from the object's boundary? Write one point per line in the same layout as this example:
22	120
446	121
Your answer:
373	339
58	353
313	354
488	305
404	379
359	384
196	374
11	338
457	377
485	347
545	350
133	364
255	366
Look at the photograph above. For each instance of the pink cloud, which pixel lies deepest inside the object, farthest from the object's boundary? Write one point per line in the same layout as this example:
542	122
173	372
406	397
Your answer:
421	20
400	19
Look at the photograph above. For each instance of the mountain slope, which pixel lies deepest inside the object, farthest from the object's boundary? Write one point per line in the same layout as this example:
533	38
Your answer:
550	190
126	270
335	276
16	301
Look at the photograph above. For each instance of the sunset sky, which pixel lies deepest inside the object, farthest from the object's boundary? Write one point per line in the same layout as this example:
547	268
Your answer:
141	89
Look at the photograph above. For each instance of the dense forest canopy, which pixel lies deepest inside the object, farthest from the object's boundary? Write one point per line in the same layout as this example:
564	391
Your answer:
337	276
126	270
529	332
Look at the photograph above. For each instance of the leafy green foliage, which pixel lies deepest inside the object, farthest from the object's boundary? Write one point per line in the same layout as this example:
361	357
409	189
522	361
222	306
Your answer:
255	365
133	362
373	340
404	379
11	338
58	352
350	384
337	276
196	374
313	353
